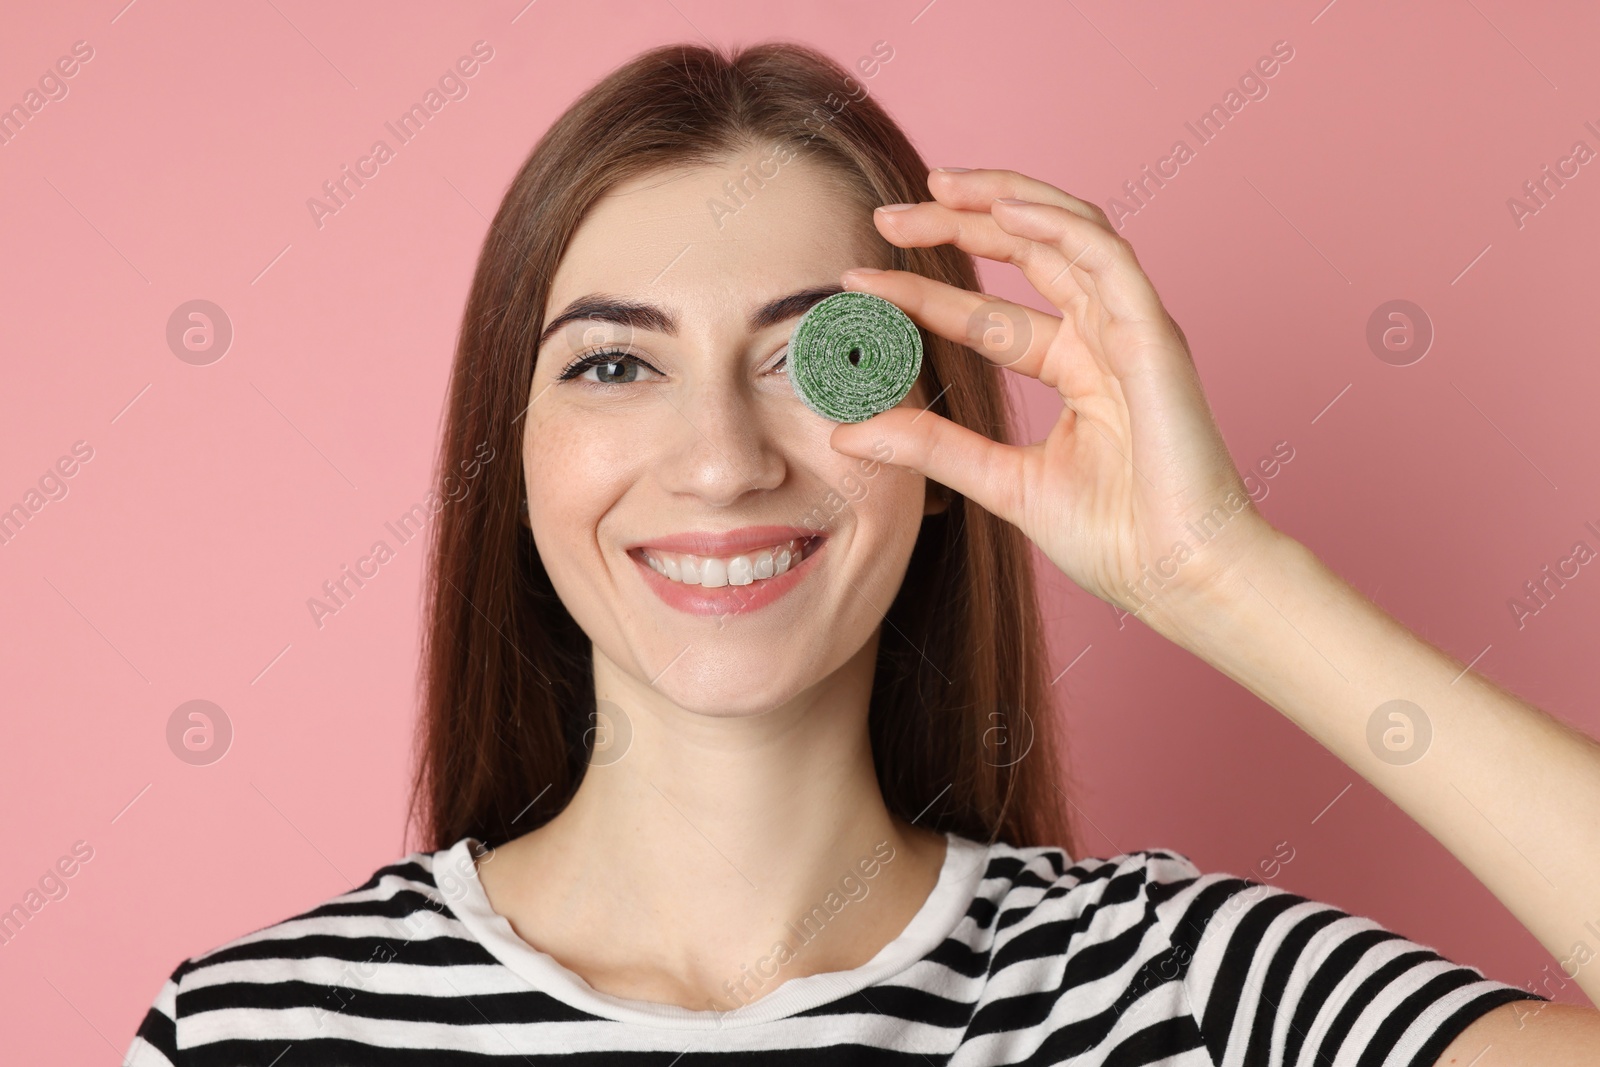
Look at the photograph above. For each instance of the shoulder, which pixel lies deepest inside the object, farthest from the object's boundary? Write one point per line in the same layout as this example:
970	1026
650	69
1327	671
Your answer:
1023	885
318	959
1038	910
405	900
1208	964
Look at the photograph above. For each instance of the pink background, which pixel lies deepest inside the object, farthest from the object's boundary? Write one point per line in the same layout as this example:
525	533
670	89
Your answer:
220	497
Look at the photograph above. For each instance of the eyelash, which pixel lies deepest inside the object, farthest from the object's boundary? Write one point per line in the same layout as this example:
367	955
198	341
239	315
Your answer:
608	356
601	359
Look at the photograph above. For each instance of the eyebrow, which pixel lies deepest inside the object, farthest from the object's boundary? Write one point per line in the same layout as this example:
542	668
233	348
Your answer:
598	307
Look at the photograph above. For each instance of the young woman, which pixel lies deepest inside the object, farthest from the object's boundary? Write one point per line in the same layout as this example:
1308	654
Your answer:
737	739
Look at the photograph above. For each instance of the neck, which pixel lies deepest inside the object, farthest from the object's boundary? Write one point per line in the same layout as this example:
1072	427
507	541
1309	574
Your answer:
708	839
757	800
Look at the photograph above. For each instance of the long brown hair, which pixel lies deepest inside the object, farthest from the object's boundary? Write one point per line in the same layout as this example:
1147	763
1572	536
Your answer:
963	734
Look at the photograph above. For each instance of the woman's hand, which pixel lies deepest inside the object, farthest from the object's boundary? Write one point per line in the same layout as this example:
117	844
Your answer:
1132	494
1135	469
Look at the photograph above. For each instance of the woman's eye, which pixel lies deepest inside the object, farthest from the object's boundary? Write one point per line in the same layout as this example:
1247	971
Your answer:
611	368
615	372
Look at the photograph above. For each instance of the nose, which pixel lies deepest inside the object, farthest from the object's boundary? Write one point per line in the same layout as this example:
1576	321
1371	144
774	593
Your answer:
720	445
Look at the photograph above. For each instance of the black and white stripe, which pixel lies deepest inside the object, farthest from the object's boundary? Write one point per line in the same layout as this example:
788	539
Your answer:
1020	956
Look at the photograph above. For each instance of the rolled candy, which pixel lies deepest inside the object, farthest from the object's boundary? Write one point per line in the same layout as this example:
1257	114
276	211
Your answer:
854	355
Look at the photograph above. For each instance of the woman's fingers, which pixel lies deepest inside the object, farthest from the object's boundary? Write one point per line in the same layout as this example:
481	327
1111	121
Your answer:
928	224
975	190
1063	254
1004	333
1120	282
984	471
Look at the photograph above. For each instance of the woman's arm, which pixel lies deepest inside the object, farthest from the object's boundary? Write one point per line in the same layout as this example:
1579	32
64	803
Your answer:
1133	495
1511	791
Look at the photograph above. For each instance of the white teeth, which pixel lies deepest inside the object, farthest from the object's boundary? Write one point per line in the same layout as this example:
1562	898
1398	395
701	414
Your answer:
714	573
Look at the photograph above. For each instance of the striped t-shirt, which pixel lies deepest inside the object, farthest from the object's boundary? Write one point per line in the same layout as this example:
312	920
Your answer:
1018	956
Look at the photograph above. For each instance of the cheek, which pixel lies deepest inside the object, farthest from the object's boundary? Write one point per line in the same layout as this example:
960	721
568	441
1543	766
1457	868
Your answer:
886	518
575	470
887	501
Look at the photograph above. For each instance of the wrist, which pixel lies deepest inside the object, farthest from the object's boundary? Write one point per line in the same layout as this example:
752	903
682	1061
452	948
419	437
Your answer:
1259	555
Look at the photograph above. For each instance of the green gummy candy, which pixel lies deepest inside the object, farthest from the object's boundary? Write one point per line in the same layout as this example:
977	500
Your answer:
854	355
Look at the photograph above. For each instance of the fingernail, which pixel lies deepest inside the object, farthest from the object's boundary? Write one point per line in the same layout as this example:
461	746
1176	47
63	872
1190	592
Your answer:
1010	200
863	270
954	170
896	207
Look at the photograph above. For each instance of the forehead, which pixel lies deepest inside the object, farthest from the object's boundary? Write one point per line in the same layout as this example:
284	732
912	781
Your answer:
719	238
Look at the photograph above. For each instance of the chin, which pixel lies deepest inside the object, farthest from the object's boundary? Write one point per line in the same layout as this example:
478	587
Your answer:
723	696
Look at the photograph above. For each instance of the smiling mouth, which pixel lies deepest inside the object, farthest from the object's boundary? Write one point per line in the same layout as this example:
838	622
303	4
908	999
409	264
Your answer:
714	572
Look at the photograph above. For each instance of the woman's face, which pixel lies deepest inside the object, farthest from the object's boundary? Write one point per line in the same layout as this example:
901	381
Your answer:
684	453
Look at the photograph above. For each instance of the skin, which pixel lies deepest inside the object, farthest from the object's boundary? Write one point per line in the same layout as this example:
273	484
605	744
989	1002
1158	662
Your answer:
747	790
1134	459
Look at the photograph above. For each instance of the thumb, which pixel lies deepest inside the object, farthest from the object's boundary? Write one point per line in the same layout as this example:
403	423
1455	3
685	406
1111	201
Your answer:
984	471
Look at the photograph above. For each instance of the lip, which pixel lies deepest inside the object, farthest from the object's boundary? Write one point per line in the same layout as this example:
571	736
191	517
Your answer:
727	543
729	599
